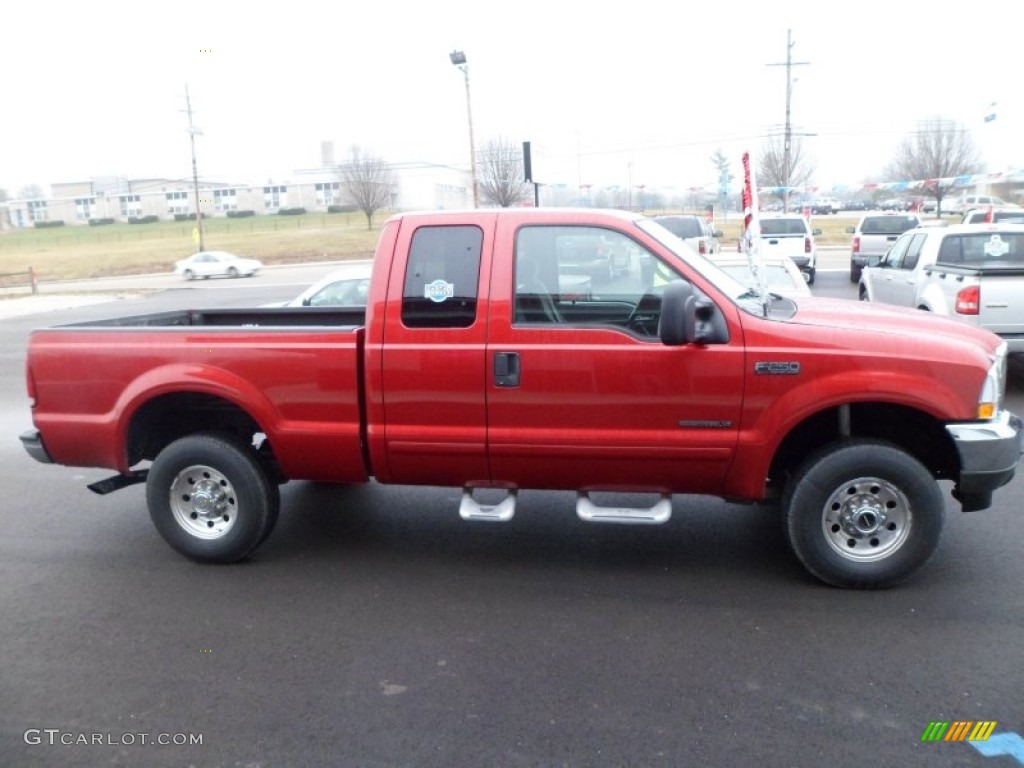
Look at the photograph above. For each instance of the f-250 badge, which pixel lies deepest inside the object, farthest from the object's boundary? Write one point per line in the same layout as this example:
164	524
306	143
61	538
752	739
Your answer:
776	368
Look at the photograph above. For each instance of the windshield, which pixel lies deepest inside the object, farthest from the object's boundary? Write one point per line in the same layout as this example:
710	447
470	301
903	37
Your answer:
728	285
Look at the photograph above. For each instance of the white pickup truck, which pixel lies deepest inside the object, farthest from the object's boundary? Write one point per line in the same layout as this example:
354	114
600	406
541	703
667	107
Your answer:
793	237
973	272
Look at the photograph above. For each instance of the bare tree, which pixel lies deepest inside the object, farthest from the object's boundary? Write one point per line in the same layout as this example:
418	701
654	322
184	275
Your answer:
501	173
771	164
31	192
367	182
937	152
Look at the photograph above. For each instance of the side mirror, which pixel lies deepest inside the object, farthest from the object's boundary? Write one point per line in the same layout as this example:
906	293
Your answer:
816	231
307	302
719	233
687	319
678	319
851	230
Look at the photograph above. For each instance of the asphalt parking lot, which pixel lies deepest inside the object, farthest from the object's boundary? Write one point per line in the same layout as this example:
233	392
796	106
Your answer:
375	628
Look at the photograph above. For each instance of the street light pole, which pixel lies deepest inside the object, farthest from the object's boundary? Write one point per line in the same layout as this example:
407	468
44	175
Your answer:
458	58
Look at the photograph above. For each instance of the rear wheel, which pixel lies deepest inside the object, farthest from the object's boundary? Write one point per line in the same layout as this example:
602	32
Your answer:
189	274
210	498
863	514
232	272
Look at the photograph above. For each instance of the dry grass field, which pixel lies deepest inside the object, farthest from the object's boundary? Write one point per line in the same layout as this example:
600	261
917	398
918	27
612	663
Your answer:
119	249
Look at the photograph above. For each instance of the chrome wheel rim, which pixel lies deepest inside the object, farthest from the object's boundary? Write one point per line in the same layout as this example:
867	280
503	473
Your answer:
866	519
203	502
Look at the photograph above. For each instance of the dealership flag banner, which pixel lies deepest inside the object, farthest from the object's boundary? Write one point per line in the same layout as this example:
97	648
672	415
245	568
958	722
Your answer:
751	238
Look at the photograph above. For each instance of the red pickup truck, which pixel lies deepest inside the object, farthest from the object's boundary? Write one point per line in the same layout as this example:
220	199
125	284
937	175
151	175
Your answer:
471	367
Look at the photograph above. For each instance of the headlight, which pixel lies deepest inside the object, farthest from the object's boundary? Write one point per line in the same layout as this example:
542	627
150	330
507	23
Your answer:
992	391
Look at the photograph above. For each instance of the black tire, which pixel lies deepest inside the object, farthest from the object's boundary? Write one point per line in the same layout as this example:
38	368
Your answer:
232	272
188	274
863	514
234	509
810	276
854	275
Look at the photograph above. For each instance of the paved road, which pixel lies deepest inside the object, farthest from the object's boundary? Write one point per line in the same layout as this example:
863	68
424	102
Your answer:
375	628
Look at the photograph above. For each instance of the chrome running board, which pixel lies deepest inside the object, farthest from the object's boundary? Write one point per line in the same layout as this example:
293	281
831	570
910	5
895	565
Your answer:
502	512
656	514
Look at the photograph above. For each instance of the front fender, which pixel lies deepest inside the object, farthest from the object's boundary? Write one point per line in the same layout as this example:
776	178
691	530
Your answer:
770	419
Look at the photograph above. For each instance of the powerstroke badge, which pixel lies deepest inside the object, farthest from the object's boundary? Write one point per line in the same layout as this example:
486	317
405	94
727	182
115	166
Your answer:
776	368
438	291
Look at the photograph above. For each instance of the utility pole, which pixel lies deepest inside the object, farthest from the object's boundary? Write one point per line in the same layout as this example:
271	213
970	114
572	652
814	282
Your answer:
192	131
787	169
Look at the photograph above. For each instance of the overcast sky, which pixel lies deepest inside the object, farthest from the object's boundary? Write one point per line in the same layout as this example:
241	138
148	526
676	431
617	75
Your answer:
608	93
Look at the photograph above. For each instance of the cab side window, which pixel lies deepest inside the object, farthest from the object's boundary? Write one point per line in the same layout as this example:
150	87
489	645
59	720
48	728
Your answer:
442	277
913	252
587	276
894	258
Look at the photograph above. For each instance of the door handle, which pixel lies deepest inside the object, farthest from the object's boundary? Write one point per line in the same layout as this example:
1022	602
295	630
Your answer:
506	369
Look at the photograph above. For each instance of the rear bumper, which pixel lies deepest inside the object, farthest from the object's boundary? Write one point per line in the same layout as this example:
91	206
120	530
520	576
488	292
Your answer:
33	443
865	260
989	454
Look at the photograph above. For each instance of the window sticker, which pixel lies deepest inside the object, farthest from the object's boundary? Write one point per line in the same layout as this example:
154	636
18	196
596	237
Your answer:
996	247
438	291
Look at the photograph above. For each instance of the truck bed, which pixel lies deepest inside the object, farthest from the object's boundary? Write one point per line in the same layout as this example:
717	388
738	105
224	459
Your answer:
103	389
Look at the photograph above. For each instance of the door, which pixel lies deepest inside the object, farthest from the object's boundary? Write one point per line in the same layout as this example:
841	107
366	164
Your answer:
899	285
432	356
888	278
582	394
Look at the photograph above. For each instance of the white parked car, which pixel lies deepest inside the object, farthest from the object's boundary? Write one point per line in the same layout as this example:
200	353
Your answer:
348	286
781	274
216	264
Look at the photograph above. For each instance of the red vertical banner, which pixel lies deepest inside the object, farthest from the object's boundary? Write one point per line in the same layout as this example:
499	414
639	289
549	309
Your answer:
751	237
751	225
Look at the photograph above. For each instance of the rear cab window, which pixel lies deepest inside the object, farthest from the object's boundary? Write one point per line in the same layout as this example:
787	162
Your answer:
442	277
983	250
888	225
777	227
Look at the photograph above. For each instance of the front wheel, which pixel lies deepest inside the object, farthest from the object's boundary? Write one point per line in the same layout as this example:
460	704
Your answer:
863	514
210	498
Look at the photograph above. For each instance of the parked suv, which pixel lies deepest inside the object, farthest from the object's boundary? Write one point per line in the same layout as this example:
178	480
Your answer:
791	236
695	231
872	237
